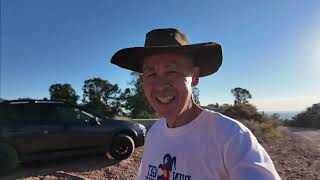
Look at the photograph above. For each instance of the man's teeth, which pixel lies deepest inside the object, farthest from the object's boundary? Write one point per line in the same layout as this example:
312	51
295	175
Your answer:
165	99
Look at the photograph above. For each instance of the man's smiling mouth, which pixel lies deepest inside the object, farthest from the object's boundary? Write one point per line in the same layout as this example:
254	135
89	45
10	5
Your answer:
165	100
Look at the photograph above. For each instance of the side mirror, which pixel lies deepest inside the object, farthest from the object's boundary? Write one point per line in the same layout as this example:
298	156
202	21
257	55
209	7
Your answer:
93	122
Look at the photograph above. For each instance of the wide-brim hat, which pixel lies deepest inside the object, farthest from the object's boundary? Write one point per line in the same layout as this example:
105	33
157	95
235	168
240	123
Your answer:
207	56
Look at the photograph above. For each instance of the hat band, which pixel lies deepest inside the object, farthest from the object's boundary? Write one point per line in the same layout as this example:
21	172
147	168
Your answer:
165	41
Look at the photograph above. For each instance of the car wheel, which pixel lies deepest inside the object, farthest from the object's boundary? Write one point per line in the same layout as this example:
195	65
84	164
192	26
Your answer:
122	147
8	157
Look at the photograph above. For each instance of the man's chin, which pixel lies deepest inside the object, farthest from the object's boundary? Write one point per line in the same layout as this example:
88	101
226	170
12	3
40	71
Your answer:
165	115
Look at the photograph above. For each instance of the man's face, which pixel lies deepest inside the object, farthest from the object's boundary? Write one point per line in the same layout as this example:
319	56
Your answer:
167	82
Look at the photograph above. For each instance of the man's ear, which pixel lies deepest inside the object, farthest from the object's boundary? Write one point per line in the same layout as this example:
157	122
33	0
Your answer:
140	77
195	76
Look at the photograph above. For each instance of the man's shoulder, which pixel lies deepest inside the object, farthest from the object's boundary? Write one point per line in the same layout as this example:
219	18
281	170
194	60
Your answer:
156	126
223	125
221	120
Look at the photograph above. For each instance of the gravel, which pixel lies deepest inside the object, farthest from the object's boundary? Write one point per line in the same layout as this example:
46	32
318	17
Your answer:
293	156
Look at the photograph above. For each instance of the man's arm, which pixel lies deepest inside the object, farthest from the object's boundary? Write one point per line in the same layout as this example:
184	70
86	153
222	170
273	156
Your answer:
245	158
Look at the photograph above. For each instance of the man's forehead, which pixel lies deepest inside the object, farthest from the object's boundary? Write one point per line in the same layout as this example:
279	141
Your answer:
166	60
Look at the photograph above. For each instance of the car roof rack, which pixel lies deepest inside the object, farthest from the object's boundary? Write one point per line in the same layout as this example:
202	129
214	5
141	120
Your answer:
35	101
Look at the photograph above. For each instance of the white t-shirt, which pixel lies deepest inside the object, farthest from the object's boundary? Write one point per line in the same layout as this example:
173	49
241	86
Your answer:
212	146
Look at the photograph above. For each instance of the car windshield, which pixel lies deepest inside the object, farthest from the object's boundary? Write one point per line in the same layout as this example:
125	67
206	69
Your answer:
87	114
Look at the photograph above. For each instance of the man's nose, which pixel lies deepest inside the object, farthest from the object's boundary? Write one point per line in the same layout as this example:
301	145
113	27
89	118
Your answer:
161	83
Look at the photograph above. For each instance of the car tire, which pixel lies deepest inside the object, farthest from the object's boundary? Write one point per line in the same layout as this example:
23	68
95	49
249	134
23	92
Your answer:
8	158
122	147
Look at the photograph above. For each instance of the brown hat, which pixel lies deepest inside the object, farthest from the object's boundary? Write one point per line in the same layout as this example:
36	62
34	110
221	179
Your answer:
207	56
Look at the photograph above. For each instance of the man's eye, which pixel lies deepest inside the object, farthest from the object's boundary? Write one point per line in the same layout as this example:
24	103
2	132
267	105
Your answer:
172	72
151	75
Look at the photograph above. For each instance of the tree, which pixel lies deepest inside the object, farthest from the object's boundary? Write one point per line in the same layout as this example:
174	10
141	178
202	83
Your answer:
241	95
275	116
63	92
213	107
135	101
216	105
195	95
102	96
309	118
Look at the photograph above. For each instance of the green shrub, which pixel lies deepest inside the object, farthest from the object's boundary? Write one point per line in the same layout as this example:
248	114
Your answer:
242	112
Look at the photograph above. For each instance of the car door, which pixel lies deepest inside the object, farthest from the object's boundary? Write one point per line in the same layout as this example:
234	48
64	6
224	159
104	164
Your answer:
80	130
35	129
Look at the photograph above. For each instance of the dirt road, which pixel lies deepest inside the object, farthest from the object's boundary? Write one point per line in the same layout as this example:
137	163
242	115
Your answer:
311	135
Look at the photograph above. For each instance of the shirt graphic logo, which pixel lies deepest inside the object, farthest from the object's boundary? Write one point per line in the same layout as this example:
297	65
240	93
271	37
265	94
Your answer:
166	171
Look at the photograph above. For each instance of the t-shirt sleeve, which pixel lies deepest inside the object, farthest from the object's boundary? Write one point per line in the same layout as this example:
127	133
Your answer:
142	171
246	159
139	176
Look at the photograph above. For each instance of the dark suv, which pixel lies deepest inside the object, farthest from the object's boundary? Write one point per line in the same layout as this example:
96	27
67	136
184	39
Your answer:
38	129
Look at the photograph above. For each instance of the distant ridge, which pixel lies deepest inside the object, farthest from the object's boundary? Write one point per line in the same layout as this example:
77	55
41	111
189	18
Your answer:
284	114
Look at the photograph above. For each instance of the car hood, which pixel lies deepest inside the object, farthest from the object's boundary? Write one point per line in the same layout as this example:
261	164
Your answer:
122	123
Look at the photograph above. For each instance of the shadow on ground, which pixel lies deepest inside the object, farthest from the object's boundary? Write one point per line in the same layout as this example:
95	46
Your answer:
60	167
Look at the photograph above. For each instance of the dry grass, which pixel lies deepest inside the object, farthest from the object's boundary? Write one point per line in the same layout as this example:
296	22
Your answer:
121	118
264	131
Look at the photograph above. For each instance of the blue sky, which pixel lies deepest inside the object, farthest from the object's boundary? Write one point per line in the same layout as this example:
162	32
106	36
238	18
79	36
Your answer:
271	48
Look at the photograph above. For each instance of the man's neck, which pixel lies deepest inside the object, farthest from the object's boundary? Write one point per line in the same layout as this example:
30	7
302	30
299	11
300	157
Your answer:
185	117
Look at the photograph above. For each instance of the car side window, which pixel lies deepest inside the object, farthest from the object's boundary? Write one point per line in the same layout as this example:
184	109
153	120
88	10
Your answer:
29	114
71	115
3	118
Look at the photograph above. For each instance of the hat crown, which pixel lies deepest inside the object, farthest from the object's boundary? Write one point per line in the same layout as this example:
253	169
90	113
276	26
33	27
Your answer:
165	37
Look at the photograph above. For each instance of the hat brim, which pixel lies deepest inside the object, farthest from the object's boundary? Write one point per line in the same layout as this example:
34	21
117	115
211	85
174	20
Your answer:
207	56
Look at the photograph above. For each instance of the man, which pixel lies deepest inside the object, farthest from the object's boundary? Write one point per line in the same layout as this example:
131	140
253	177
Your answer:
188	142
